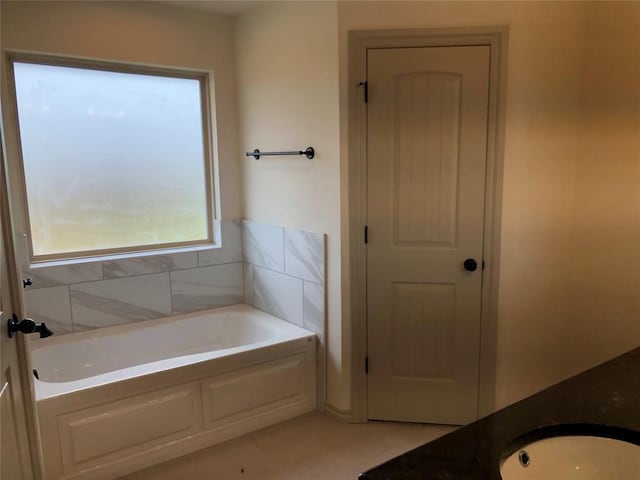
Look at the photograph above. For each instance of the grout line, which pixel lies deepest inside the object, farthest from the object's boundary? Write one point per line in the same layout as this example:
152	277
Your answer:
211	265
242	282
171	293
241	240
136	275
321	284
275	229
284	252
73	323
160	271
303	301
278	272
247	290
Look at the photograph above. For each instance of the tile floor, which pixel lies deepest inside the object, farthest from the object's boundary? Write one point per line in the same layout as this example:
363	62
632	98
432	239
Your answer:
311	447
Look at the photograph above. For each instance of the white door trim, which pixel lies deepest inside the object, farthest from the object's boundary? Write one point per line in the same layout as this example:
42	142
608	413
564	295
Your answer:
14	273
359	43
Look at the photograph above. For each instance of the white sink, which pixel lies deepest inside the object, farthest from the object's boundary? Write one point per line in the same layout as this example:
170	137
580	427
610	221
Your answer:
574	458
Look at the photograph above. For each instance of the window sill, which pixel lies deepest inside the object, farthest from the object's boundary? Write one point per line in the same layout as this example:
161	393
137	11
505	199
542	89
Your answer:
122	256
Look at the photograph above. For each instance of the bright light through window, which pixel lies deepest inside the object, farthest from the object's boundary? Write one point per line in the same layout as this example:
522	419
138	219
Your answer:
112	160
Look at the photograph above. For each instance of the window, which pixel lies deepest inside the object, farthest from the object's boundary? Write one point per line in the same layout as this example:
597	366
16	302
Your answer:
115	159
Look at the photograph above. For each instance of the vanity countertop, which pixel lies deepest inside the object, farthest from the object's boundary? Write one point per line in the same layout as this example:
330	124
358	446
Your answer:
602	401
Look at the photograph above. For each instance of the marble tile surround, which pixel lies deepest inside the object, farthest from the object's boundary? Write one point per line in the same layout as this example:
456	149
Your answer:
284	275
262	245
72	298
278	294
52	306
206	287
276	269
281	265
109	302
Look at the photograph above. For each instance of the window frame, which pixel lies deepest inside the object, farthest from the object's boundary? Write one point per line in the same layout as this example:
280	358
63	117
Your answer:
208	123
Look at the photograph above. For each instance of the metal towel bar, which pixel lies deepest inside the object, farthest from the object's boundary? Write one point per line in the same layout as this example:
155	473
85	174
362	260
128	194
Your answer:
309	153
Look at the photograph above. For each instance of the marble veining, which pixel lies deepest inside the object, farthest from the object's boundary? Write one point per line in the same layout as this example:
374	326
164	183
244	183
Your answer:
122	300
263	245
128	267
42	277
248	283
206	287
295	293
304	255
51	306
278	294
231	246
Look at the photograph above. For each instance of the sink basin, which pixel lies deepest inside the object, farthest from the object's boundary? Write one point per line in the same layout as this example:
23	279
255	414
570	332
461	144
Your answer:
574	458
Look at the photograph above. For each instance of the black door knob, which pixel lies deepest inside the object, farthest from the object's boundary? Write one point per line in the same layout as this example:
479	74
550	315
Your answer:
470	265
27	326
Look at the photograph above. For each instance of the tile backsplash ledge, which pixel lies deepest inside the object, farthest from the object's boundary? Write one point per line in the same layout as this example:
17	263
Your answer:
275	269
76	297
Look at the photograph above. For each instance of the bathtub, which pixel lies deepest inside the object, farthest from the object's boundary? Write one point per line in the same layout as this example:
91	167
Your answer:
119	399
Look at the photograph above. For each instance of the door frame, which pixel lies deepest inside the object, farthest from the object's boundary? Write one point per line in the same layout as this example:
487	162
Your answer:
359	42
27	395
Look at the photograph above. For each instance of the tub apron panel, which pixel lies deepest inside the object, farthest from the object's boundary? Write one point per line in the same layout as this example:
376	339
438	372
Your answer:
102	429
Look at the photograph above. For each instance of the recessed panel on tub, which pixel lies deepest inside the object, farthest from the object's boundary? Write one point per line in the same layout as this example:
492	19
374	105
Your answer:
243	392
127	426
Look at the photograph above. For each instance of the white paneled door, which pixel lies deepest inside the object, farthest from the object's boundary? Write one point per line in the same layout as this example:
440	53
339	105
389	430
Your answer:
426	160
15	459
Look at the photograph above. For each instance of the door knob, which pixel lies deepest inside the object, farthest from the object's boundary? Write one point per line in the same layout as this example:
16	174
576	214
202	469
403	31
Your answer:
470	265
27	326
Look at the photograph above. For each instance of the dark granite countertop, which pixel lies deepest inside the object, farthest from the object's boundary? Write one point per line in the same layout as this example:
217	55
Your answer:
602	401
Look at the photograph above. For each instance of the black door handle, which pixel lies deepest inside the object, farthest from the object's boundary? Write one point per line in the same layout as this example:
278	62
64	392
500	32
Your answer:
470	265
27	326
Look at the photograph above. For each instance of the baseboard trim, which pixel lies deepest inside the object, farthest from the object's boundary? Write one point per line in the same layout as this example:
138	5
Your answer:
343	416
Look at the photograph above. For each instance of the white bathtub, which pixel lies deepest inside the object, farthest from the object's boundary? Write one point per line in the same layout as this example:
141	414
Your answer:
115	400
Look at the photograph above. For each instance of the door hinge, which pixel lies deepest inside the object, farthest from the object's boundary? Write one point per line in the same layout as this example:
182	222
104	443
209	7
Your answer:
366	234
366	365
366	90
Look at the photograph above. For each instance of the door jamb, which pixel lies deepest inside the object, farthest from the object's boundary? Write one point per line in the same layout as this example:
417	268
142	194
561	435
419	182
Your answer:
27	394
359	42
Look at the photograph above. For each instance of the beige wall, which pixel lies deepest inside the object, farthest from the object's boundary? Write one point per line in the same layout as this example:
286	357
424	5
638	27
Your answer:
570	267
145	33
288	100
605	252
567	300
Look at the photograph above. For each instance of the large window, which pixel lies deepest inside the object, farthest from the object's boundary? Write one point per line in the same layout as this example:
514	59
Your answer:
115	159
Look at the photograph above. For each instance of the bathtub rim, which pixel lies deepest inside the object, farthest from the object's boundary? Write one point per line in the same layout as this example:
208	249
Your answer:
48	390
96	333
